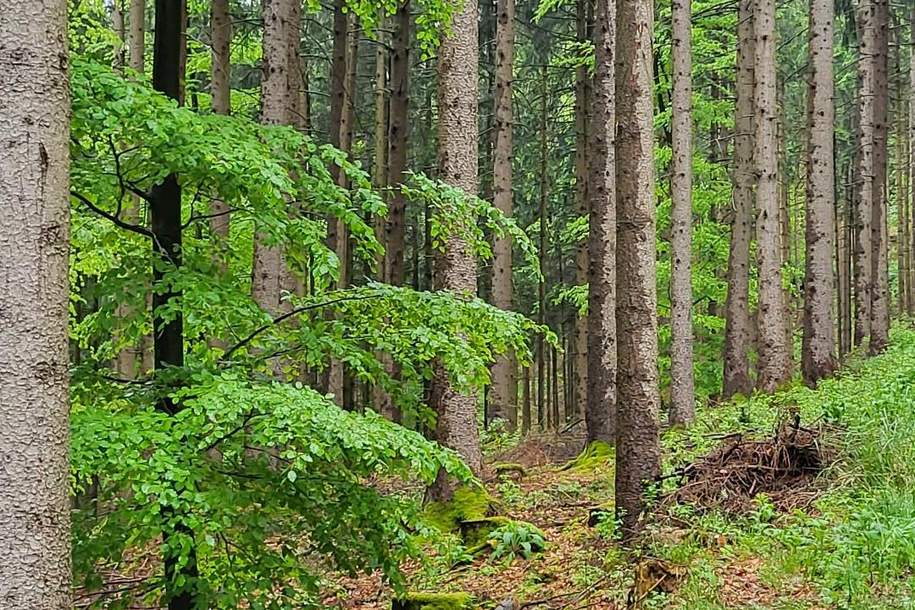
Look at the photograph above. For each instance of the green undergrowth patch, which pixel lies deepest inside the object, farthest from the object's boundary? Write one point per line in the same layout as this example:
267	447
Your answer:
855	548
469	503
433	601
597	454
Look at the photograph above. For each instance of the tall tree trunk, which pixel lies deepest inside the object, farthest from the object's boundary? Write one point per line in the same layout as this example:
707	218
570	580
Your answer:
398	138
380	135
818	360
136	35
220	90
168	333
911	191
737	330
600	411
579	381
526	400
901	163
456	269
682	383
503	393
880	301
638	451
542	214
773	323
864	169
34	240
120	30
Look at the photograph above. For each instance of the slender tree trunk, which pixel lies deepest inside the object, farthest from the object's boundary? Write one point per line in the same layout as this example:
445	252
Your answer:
541	285
880	301
120	30
456	269
600	413
774	350
818	359
380	136
901	163
220	90
737	332
638	452
168	333
910	195
526	400
579	380
503	393
136	35
398	138
34	240
866	187
682	383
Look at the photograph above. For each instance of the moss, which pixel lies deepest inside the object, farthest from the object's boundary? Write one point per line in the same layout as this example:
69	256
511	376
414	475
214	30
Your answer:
476	531
597	454
433	601
469	503
508	467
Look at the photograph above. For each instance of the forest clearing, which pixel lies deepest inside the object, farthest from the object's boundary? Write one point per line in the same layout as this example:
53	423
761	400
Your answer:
457	304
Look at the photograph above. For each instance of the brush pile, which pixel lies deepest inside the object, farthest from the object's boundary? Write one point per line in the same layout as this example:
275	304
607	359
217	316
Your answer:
783	467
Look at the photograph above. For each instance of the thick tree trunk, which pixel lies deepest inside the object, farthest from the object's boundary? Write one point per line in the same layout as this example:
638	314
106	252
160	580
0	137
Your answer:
864	169
600	410
503	393
638	452
737	330
773	323
34	239
579	367
880	301
456	269
682	382
818	359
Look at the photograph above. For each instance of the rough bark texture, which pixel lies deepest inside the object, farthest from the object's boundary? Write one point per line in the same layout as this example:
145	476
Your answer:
638	452
737	327
267	271
774	350
456	269
818	360
683	387
600	410
398	138
221	34
34	159
911	192
880	301
864	164
579	368
503	393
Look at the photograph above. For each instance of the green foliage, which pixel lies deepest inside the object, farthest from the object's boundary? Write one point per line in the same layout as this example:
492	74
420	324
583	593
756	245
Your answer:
596	455
469	503
434	601
516	539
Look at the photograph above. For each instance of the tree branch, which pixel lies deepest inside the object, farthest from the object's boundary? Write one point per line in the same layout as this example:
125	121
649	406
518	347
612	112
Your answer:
112	217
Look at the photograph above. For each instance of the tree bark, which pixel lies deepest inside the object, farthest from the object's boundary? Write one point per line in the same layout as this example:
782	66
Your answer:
136	36
579	367
682	382
864	169
503	393
774	350
398	138
638	452
543	412
34	239
456	269
818	360
600	412
880	301
737	330
220	90
910	195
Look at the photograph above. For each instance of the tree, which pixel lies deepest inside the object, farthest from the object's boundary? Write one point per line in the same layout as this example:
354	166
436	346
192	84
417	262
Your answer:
774	350
682	383
220	90
503	394
456	266
880	298
638	451
136	35
864	170
34	478
579	381
737	328
600	410
399	141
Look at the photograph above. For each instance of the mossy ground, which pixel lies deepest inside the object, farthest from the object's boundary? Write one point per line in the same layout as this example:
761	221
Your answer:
433	601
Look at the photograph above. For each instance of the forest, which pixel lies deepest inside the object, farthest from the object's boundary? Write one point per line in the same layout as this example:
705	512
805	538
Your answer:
457	304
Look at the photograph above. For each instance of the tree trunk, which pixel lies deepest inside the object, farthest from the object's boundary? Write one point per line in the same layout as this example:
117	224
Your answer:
638	452
600	411
818	360
737	330
380	135
579	381
398	137
220	90
136	36
880	301
866	187
34	160
503	393
542	214
456	269
774	350
910	195
526	400
682	382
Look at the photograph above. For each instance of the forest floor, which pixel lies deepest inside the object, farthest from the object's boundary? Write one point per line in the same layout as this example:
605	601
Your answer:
754	512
